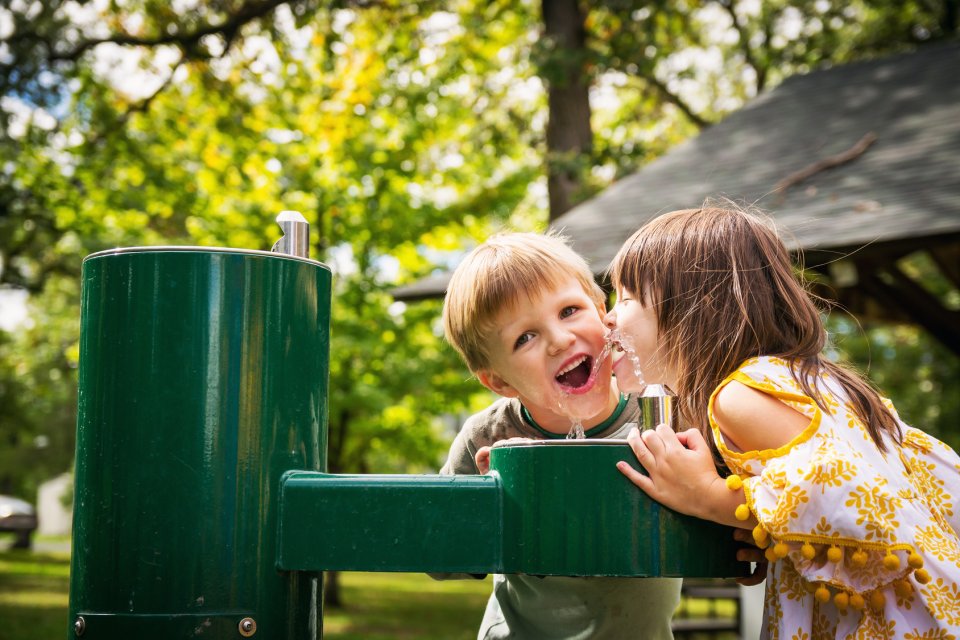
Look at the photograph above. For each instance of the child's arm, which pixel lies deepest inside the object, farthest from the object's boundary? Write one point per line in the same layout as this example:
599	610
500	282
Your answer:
682	476
751	420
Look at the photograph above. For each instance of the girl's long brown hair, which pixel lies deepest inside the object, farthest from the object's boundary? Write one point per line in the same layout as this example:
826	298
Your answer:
725	290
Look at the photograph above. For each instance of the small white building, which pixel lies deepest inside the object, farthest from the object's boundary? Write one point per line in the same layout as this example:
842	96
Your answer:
55	518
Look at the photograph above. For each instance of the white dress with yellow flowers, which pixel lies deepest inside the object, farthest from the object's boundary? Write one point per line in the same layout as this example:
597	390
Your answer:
862	544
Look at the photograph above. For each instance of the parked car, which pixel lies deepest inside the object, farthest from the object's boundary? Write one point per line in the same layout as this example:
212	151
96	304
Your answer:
19	517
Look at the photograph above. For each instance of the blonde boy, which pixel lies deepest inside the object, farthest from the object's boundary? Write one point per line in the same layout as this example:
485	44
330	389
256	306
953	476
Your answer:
526	315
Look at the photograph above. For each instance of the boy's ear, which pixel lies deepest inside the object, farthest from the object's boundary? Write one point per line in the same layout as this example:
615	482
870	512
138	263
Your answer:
495	383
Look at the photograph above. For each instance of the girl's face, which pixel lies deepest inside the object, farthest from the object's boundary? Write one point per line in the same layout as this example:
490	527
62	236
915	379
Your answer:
637	344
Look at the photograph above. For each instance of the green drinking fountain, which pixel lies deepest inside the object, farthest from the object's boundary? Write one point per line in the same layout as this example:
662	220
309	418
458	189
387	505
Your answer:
202	507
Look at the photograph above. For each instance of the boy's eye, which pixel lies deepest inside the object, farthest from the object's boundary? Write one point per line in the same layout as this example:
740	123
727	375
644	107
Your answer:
568	311
522	340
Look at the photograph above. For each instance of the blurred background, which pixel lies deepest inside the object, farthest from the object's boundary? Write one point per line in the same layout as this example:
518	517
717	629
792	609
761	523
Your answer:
405	133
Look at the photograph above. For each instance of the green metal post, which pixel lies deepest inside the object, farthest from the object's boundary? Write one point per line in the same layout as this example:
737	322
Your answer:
203	379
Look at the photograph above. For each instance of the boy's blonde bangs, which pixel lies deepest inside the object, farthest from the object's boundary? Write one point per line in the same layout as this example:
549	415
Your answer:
502	273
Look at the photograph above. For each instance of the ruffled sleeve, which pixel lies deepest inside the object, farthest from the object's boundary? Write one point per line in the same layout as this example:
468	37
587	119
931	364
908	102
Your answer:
829	502
935	470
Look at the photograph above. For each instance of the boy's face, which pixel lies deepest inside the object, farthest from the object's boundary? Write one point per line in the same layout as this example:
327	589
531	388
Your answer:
637	344
544	352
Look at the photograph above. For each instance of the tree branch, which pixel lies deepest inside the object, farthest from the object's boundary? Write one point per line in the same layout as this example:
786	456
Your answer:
729	6
187	42
138	107
829	162
678	102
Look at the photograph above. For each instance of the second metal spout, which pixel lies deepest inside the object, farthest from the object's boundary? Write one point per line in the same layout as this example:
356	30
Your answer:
296	235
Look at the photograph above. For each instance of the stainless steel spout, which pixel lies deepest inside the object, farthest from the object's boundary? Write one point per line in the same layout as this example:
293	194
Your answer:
296	235
656	407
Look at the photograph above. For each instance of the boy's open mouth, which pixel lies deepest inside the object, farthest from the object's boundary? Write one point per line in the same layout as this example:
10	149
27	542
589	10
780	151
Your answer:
576	374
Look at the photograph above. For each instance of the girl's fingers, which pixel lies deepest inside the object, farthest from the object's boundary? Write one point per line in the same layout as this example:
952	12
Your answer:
692	439
635	476
669	438
639	447
653	442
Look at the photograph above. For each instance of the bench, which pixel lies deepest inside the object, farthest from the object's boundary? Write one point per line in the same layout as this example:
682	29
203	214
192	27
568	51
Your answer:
689	624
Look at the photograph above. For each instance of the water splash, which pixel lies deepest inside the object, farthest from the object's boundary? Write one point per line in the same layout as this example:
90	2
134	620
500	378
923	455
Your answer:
603	355
576	424
576	431
625	343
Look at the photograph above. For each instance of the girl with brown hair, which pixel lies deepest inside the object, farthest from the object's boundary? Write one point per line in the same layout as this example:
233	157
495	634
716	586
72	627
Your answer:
859	513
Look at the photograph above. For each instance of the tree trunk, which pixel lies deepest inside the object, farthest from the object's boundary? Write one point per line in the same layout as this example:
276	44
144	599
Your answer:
569	136
331	590
951	17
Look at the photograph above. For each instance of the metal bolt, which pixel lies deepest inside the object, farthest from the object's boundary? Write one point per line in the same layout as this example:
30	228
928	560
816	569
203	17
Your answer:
248	627
79	626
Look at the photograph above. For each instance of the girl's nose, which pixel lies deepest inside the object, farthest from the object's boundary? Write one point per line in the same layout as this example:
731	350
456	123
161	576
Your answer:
610	320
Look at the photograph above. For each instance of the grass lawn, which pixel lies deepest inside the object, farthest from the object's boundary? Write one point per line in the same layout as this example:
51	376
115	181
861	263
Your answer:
389	606
33	595
379	606
34	589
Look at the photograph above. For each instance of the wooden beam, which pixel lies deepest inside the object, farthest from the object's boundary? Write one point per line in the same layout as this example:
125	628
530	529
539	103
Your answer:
924	309
947	259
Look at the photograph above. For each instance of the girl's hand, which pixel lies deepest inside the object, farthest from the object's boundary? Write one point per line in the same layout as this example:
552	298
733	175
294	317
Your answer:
681	472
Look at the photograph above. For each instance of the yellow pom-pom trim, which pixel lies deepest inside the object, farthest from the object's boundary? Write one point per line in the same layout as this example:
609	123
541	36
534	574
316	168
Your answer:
742	512
808	551
760	536
841	600
877	600
859	558
856	601
780	550
914	560
922	576
822	594
734	483
768	554
891	562
835	554
903	588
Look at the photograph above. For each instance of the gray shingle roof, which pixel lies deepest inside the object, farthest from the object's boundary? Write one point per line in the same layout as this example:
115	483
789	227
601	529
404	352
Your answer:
905	185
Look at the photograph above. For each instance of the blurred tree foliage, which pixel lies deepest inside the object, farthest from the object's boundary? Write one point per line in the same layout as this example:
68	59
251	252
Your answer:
917	372
403	131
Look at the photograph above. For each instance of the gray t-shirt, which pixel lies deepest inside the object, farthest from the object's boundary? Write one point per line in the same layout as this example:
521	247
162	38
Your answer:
570	608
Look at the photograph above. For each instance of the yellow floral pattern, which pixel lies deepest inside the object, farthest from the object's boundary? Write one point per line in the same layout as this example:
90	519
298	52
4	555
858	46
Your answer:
883	528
